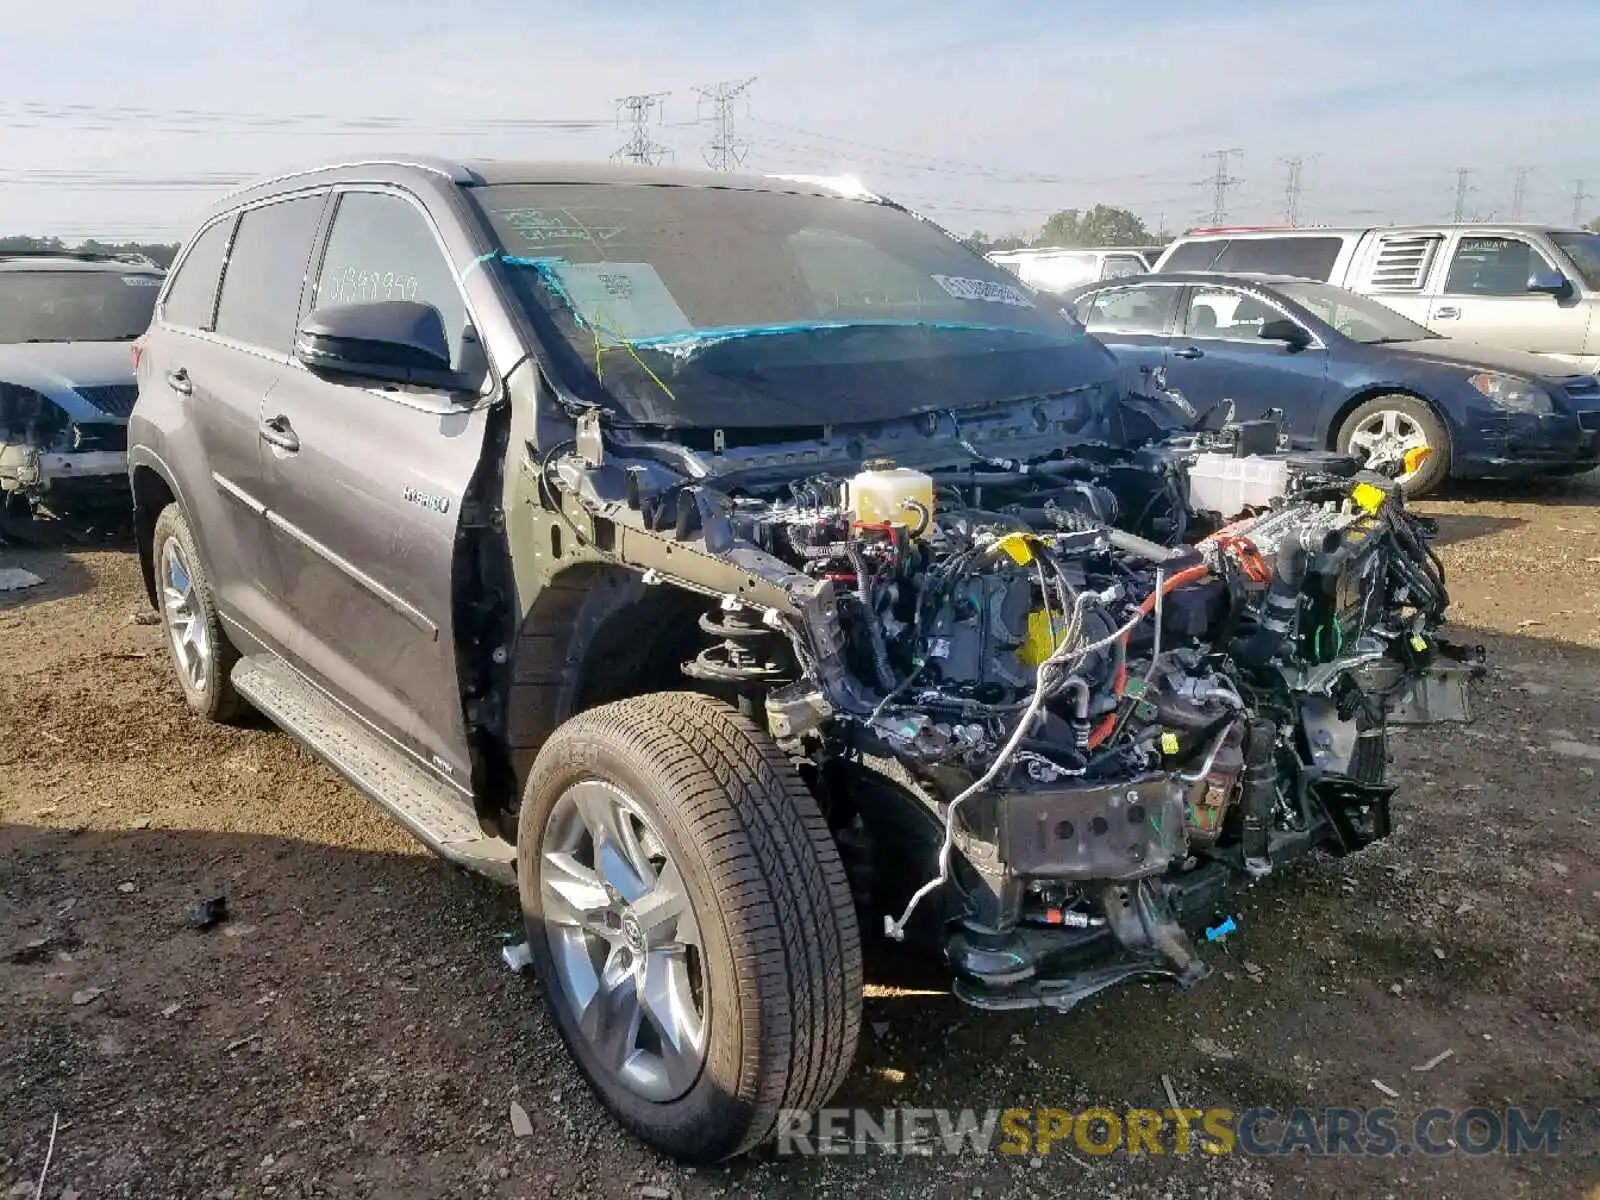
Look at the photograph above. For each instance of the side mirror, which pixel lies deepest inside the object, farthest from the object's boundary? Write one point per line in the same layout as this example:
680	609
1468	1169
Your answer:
1284	330
399	341
1550	283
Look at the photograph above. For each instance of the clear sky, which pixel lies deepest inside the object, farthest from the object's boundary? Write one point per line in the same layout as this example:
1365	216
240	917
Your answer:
119	119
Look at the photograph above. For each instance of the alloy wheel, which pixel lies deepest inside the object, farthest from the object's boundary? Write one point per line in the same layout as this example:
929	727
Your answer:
1387	436
625	941
184	617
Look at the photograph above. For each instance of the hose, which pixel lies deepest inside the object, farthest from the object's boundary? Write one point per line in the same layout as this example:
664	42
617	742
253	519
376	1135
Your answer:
1187	575
921	510
880	653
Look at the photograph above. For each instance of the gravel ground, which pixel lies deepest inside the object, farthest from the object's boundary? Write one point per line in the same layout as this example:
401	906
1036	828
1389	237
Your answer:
350	1030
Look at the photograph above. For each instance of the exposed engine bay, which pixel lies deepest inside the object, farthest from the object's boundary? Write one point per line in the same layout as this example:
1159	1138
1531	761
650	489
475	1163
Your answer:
1052	708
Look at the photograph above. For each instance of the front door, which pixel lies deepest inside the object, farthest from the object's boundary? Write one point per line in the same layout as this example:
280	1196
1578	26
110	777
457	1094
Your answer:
1134	322
1485	298
365	485
1218	356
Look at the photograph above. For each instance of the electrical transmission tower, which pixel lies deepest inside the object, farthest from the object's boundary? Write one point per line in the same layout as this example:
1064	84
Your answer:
633	113
1519	192
1462	189
1292	190
1219	184
1579	195
726	150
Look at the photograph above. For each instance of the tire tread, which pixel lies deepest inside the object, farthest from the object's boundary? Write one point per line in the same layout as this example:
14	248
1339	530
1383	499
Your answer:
773	864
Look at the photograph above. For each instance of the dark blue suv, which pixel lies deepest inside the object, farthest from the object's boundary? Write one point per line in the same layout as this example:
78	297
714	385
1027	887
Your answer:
1350	374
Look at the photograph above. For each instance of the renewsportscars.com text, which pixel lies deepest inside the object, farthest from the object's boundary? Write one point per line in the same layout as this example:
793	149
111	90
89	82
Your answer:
1319	1132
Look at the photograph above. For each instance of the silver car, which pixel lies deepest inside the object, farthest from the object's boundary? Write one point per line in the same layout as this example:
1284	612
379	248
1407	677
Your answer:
67	376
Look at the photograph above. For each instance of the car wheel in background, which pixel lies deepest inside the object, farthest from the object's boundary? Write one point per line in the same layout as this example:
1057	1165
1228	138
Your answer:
690	920
202	656
1391	425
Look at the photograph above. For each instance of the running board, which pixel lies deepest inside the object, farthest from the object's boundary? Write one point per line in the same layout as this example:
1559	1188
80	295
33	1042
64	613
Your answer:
432	810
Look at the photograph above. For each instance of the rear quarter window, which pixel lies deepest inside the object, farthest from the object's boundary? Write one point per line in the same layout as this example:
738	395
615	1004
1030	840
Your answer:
1194	256
1305	257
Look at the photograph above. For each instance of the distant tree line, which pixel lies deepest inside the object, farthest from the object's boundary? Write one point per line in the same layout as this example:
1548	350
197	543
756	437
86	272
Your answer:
1102	225
160	253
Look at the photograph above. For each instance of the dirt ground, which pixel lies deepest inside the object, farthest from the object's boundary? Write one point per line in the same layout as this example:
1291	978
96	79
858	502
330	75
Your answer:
351	1030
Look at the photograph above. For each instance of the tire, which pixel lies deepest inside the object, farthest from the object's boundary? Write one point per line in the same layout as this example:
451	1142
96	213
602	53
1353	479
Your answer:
208	687
778	958
1420	416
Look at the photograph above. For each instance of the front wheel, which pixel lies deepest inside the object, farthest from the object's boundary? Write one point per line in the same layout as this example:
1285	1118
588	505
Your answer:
1389	427
690	920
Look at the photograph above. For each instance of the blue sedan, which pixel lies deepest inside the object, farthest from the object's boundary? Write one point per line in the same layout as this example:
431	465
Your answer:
1349	374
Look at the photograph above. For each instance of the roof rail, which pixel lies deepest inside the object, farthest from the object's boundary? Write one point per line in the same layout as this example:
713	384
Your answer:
1210	229
454	171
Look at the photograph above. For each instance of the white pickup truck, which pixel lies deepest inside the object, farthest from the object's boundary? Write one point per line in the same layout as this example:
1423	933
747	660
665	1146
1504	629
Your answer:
1519	287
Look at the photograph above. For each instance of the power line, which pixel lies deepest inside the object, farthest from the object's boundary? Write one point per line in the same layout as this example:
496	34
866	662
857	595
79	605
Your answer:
1220	183
29	114
640	147
725	151
1292	191
1462	190
1519	192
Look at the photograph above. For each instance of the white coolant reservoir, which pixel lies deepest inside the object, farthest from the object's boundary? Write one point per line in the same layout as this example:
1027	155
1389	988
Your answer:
883	493
1226	485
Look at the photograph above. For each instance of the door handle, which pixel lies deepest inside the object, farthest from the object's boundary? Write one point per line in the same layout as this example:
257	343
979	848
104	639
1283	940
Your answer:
278	432
1189	352
1446	313
180	382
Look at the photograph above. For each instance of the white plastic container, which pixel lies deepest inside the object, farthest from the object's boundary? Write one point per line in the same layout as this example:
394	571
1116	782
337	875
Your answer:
1227	486
880	496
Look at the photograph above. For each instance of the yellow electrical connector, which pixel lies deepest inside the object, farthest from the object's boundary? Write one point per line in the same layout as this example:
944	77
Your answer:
1415	457
1040	641
1016	545
1368	498
1169	743
1419	643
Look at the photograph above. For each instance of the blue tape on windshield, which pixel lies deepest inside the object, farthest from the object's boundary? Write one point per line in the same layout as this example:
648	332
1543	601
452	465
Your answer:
688	342
545	268
476	263
691	339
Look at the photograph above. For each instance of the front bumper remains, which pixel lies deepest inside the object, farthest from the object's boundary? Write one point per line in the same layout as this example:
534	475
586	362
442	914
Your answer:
1495	444
28	469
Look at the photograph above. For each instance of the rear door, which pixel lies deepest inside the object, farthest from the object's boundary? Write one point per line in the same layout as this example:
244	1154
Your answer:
208	364
1134	321
254	327
364	490
1218	356
1485	297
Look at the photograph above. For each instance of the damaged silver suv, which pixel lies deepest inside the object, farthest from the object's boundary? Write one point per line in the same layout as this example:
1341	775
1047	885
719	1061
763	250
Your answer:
67	319
742	568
